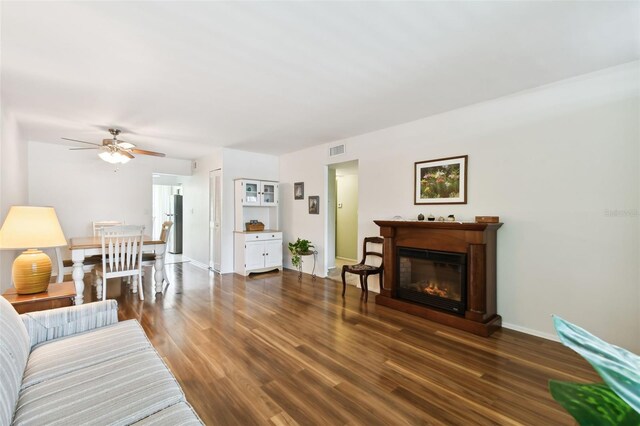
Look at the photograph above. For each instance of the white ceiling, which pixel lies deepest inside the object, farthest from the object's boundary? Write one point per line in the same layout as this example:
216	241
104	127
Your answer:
275	77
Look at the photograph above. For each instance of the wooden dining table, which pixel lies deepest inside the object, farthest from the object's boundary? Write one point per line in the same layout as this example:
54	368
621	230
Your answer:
82	247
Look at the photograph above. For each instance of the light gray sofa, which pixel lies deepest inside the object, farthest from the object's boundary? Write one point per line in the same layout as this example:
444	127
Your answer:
80	366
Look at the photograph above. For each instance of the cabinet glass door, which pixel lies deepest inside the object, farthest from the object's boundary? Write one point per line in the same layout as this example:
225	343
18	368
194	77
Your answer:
251	190
269	194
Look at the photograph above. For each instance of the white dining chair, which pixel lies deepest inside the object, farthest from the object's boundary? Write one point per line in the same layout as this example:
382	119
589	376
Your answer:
64	267
100	225
149	259
121	257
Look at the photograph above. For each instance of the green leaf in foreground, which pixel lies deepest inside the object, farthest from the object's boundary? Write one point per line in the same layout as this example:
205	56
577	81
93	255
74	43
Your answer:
593	404
619	368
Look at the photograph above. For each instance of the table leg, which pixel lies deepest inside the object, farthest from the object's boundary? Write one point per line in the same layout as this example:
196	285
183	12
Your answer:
159	274
78	280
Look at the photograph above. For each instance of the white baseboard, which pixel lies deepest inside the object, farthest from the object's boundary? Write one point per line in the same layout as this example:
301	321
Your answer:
196	263
531	331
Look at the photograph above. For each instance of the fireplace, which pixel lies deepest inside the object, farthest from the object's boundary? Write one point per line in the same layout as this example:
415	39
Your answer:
433	278
442	271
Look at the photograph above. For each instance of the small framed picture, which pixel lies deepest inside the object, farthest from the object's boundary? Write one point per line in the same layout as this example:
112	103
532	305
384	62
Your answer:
298	191
441	181
314	204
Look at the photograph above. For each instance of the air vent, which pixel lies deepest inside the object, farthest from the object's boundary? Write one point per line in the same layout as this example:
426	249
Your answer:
337	150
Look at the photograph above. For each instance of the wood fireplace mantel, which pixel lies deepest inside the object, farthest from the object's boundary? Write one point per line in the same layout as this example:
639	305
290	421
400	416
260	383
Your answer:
476	240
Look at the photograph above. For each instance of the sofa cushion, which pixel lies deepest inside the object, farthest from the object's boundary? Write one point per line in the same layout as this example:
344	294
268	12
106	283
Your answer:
51	324
61	356
178	414
119	391
14	351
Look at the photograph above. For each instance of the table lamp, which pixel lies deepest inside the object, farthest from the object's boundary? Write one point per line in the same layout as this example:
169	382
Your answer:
31	228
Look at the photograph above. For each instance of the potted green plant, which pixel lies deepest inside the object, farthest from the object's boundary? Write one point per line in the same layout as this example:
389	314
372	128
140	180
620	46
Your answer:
616	401
300	247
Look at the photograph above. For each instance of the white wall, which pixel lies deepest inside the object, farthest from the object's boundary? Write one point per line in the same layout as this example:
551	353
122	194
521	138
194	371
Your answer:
13	182
295	221
195	204
558	164
83	188
234	164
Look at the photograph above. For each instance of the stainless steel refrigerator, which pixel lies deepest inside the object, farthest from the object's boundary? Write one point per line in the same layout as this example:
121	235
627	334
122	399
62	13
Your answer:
175	215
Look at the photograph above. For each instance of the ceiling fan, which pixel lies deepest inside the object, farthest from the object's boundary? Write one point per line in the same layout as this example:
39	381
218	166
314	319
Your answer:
114	150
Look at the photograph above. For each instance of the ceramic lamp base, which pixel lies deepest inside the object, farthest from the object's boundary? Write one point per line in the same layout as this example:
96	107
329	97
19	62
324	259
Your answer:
31	272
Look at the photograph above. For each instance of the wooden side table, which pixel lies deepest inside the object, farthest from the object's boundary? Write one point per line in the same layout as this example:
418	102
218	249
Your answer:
56	296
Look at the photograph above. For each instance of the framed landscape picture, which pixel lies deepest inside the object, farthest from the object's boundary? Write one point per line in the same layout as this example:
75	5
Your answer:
298	191
314	204
441	181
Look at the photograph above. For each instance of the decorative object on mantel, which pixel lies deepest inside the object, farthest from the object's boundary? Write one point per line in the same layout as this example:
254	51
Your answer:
614	402
466	299
31	228
440	218
314	204
487	219
441	181
298	191
302	248
451	218
431	218
420	216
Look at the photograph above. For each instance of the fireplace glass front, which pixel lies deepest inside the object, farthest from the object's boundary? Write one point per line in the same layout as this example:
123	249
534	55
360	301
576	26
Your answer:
433	278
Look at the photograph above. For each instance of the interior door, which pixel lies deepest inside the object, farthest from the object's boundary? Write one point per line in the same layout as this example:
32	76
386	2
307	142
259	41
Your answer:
215	215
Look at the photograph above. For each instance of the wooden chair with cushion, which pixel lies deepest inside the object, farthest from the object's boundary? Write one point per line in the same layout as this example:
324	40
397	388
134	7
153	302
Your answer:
121	257
149	259
365	268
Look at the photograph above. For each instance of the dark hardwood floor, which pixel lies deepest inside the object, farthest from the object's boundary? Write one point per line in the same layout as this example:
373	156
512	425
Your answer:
271	350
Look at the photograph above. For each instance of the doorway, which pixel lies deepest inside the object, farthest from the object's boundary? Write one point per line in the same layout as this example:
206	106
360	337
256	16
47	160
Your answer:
215	218
167	194
342	217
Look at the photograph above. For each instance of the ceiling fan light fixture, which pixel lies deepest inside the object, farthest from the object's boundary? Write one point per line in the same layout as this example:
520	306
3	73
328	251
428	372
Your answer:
113	157
124	159
115	151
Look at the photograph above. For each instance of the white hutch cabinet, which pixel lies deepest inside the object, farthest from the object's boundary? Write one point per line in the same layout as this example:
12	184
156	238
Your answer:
256	251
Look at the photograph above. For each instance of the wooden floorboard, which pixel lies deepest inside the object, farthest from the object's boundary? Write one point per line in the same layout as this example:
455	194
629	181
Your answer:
269	349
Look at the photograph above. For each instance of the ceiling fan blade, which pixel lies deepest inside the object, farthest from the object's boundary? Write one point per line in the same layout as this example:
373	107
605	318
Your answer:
80	149
144	152
127	154
76	140
125	145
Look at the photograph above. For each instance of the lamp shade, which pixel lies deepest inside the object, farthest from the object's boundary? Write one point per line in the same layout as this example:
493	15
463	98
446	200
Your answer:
113	157
31	227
